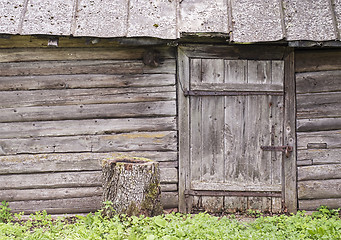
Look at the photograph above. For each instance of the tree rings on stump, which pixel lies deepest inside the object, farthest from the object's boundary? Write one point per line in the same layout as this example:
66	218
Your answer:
132	185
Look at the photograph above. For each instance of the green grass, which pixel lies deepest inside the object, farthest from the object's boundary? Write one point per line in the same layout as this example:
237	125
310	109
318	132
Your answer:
324	224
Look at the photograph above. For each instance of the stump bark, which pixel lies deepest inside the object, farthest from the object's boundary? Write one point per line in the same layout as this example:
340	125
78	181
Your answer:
132	185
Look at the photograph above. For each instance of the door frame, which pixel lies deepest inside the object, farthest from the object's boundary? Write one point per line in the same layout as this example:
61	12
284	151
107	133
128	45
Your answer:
238	52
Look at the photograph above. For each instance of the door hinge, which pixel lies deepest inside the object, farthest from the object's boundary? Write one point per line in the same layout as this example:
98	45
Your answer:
285	149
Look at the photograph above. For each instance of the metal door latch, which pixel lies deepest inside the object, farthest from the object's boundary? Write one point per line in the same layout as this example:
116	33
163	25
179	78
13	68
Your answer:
284	149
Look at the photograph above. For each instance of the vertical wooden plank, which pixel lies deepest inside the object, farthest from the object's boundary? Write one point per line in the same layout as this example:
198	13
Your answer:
235	204
260	203
213	132
259	71
289	166
276	122
195	123
183	111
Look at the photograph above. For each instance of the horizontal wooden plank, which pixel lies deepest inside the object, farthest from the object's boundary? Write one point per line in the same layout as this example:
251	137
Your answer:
320	156
304	162
58	206
169	199
330	138
319	189
85	81
169	175
195	185
136	141
39	163
85	127
10	99
49	193
54	54
312	205
169	187
319	172
84	67
51	180
234	52
77	205
315	82
317	60
91	111
319	105
318	124
219	87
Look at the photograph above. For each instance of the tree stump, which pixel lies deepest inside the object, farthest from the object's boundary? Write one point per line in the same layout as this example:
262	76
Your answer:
132	185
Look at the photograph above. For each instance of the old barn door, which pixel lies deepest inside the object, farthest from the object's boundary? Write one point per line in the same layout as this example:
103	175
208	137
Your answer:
233	131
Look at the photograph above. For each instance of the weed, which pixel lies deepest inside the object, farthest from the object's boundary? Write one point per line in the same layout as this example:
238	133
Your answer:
5	213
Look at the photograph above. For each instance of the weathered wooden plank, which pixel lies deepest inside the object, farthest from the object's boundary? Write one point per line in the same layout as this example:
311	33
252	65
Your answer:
312	205
320	156
169	199
331	138
319	172
184	128
51	180
246	52
235	87
307	162
169	187
319	189
276	205
85	127
85	81
315	82
317	60
90	111
60	54
136	141
236	186
59	206
319	105
168	175
28	163
84	67
289	164
259	72
85	96
318	124
212	146
263	204
11	195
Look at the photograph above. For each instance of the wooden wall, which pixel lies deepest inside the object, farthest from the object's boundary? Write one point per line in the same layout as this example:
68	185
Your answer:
318	87
63	110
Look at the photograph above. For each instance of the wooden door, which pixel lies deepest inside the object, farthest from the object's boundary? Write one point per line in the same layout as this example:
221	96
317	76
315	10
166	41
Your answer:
234	118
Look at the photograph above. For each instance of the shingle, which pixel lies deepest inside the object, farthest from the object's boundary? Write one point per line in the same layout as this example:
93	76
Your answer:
10	15
203	16
256	20
153	18
309	20
48	17
101	18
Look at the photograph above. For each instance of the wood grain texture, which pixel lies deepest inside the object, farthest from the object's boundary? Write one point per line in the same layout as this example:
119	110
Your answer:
319	105
85	81
38	163
320	156
55	54
137	141
319	189
318	124
85	96
331	138
312	205
85	127
315	82
317	60
83	67
89	111
319	172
